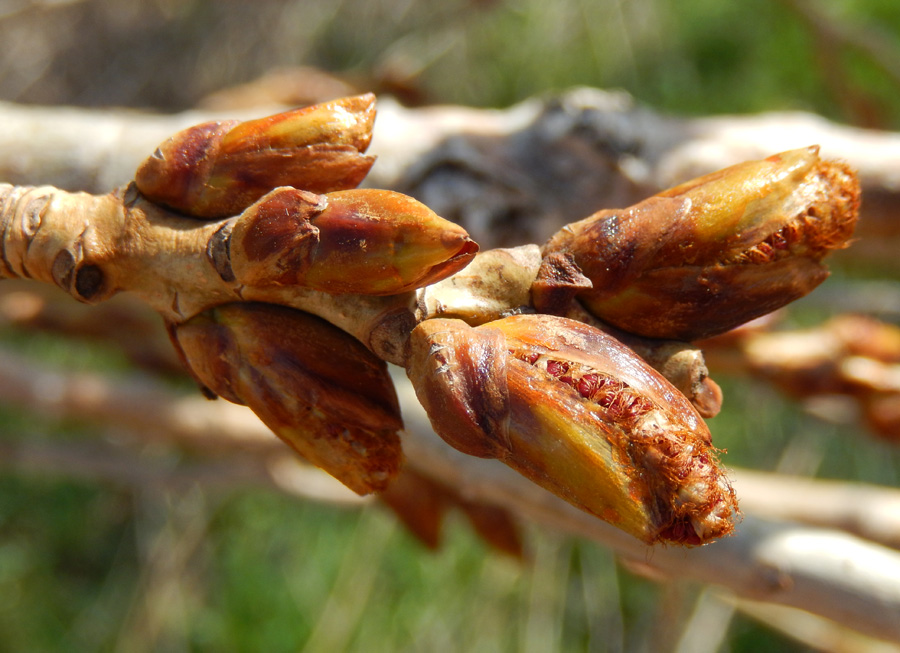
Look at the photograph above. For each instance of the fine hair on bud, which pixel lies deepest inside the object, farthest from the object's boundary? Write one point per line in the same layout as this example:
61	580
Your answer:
716	252
580	414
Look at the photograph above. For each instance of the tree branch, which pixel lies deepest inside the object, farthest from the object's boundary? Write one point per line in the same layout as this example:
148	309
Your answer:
869	511
104	462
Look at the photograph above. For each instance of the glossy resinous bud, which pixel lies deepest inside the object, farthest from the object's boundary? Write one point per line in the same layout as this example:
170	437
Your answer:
362	241
580	414
217	169
715	252
316	387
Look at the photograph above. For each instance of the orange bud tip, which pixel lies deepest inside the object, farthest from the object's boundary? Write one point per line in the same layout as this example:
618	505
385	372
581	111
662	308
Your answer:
218	169
580	414
716	252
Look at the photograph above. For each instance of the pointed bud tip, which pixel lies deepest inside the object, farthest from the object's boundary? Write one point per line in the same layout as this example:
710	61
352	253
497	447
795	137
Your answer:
218	169
578	413
361	241
713	253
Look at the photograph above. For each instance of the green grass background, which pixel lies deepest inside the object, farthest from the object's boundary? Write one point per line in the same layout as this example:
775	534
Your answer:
94	567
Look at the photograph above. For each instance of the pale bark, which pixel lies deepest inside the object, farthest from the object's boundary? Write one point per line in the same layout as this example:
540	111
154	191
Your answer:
811	630
870	511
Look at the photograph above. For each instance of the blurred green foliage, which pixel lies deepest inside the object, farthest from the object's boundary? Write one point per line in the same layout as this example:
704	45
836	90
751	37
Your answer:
88	567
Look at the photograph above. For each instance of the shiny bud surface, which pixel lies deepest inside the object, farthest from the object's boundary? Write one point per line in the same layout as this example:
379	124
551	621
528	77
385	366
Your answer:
217	169
316	387
713	253
362	241
580	414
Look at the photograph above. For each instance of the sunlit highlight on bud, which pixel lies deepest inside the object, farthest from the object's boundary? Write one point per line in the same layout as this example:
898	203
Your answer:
217	169
578	413
316	387
711	254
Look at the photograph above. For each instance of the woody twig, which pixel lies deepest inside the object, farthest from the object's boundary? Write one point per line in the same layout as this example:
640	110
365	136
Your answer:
286	289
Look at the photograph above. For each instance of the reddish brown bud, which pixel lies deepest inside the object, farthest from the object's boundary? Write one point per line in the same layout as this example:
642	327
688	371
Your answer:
459	375
855	356
496	526
217	169
711	254
580	414
422	503
316	387
363	241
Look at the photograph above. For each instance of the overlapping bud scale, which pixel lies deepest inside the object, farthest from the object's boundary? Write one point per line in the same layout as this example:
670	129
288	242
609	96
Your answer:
708	255
565	404
316	387
364	241
217	169
580	414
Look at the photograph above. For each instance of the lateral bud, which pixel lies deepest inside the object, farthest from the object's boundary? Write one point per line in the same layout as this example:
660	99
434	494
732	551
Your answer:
360	241
217	169
716	252
580	414
316	387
